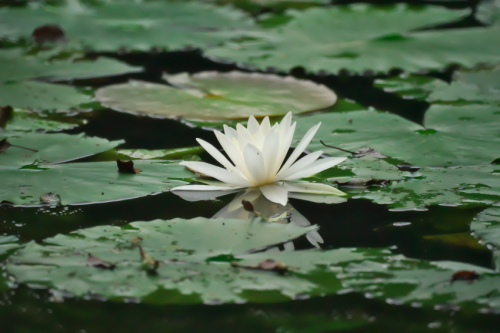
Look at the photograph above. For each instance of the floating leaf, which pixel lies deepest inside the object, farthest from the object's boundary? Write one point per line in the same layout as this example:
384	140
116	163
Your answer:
181	247
471	86
16	65
89	182
486	227
365	38
139	26
488	11
21	121
212	95
451	136
52	148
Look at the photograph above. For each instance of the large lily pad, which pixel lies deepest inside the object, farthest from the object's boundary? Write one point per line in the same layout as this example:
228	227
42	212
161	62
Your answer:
478	86
83	183
51	148
451	136
486	227
361	37
185	249
16	65
209	95
42	96
139	26
22	121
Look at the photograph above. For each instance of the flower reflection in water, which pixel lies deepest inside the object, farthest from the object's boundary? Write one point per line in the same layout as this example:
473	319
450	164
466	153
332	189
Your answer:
264	207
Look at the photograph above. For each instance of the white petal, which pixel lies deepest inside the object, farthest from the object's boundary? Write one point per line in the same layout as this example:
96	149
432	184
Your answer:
216	154
314	238
300	148
318	166
289	246
316	188
219	173
244	137
285	143
253	125
229	132
286	121
206	188
270	153
265	126
275	193
234	153
254	160
303	163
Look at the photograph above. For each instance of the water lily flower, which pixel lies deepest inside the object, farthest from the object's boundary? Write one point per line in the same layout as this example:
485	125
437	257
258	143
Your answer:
257	160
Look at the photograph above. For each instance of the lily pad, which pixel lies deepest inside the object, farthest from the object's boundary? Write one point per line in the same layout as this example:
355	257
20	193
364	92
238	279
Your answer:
452	186
451	136
51	148
138	26
212	95
84	183
362	37
186	251
488	11
40	96
22	121
468	86
16	65
486	227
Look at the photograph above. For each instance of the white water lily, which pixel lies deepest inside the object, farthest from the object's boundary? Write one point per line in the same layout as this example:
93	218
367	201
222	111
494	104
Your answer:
256	160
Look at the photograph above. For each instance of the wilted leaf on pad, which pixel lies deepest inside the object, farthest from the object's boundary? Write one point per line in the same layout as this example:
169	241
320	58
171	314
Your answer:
126	167
451	136
91	182
93	261
138	26
362	37
212	95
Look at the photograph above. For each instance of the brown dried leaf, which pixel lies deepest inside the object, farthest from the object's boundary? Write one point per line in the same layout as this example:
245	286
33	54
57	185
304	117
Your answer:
468	276
51	33
127	167
4	145
149	264
93	261
247	205
6	113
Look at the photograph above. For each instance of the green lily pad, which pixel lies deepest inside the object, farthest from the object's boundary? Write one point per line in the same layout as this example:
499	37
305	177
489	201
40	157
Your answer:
451	136
478	86
362	37
23	121
51	148
42	96
185	249
486	227
16	65
488	11
139	26
83	183
212	95
7	243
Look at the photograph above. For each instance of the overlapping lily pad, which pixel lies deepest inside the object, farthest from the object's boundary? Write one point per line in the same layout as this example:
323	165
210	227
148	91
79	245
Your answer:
451	136
20	121
190	270
185	249
109	26
486	227
477	86
84	183
17	68
361	37
212	95
51	148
